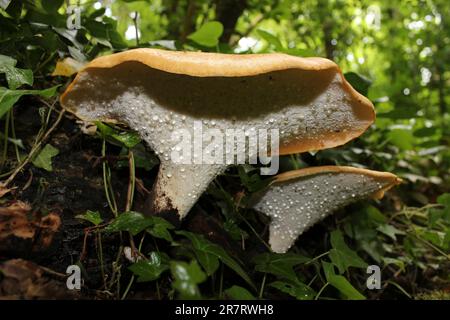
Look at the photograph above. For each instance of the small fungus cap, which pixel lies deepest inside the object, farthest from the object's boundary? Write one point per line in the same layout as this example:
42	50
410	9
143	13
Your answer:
298	199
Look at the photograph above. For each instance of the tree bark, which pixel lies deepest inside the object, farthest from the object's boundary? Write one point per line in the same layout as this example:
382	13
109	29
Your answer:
228	13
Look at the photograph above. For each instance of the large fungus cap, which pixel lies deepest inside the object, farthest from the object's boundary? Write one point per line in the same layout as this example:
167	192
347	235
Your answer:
156	92
298	199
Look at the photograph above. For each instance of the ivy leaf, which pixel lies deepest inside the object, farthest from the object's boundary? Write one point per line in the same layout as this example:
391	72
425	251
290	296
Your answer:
207	253
239	293
341	255
340	283
131	221
91	216
390	231
129	138
9	97
52	5
187	277
280	265
208	34
151	269
44	158
15	76
298	290
135	222
160	228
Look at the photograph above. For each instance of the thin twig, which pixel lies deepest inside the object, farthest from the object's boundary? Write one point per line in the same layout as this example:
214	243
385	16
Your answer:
34	150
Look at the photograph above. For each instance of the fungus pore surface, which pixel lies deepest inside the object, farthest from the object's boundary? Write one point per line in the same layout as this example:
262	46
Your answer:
299	199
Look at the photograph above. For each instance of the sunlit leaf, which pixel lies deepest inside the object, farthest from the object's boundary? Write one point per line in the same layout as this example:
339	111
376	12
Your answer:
402	138
271	39
208	34
67	67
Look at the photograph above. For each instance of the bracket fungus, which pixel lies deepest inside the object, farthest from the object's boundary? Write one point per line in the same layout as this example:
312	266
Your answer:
297	199
158	92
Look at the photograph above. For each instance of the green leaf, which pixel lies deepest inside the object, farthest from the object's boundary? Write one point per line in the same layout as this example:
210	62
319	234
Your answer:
142	158
340	283
52	5
187	277
341	255
131	221
375	214
15	76
44	157
399	113
206	250
135	222
444	199
239	293
346	288
151	269
280	265
160	228
252	182
390	231
402	138
9	97
271	39
208	34
299	290
127	138
91	216
359	82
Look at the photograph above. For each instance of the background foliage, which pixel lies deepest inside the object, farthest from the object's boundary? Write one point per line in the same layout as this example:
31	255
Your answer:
395	52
